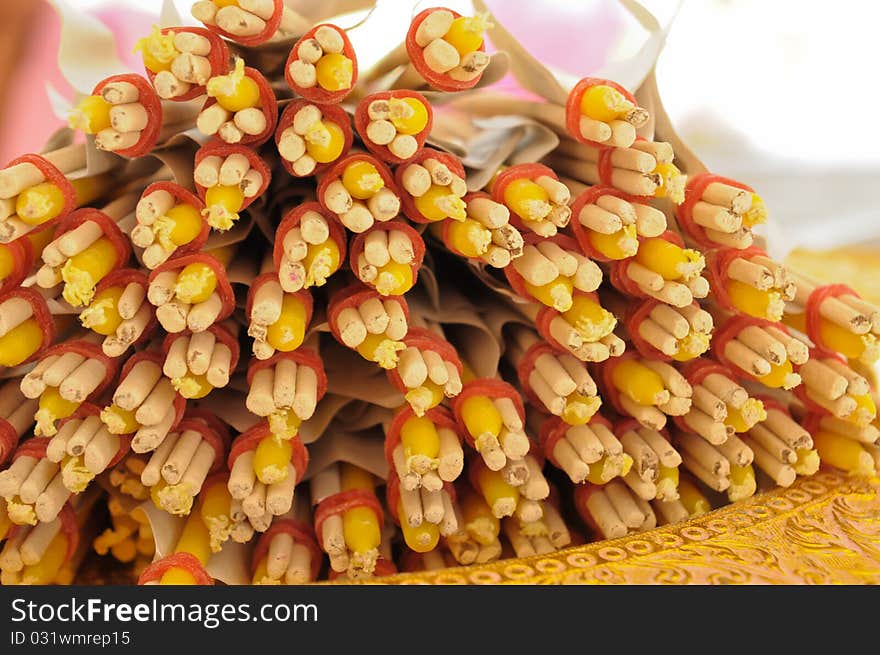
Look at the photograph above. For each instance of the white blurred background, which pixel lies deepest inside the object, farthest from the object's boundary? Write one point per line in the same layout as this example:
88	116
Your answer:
776	93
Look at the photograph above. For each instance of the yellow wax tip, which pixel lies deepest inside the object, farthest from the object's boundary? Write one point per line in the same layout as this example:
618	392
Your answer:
74	473
321	262
843	453
619	245
180	225
91	115
234	91
361	530
556	294
425	397
779	376
7	262
102	316
851	346
466	33
672	182
480	416
284	423
744	418
394	279
418	435
692	346
422	539
222	206
192	386
177	576
639	382
361	179
866	410
175	499
757	213
408	115
604	103
469	237
438	202
334	71
668	260
214	513
20	513
39	203
579	409
85	269
288	332
20	343
118	420
271	457
590	319
195	283
527	199
157	50
51	408
754	302
807	462
740	475
325	141
382	350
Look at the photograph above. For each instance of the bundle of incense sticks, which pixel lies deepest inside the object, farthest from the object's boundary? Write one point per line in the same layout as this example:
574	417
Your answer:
167	349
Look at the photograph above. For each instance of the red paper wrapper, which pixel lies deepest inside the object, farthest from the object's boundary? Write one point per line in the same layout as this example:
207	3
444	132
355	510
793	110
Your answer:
224	150
338	168
693	193
573	106
186	561
268	105
353	296
251	438
589	197
152	104
362	120
221	334
302	357
341	502
516	281
333	113
122	277
440	81
41	314
492	388
424	339
618	275
292	219
54	176
89	350
408	203
109	229
224	289
418	244
301	533
439	416
183	197
554	428
316	93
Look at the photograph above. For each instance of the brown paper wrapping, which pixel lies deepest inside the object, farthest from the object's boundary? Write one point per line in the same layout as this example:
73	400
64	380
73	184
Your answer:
364	449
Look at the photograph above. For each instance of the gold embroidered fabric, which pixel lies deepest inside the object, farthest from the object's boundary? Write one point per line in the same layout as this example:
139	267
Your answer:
822	530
